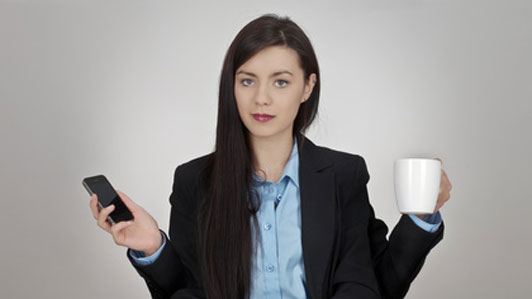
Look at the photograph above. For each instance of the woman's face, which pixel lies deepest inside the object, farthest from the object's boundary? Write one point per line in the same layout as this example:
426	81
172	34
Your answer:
269	88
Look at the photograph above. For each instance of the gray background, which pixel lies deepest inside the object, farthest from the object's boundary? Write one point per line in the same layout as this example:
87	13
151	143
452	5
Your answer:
129	88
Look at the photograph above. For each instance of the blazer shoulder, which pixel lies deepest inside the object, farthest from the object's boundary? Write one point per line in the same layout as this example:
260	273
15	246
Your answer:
344	162
192	168
187	175
340	156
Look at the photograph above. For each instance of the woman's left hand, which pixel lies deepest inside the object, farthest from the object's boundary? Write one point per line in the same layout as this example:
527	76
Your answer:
444	195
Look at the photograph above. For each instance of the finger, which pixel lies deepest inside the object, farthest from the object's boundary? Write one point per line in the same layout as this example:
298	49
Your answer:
93	203
117	229
442	199
132	206
448	183
444	182
102	218
439	160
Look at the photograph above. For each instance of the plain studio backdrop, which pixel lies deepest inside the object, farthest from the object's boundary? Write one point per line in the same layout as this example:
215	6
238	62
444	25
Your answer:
129	89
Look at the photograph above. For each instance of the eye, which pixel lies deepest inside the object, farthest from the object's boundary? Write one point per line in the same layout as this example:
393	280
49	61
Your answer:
246	82
281	83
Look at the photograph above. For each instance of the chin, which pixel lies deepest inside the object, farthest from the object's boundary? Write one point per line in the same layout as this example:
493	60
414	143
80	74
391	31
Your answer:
257	133
260	135
265	132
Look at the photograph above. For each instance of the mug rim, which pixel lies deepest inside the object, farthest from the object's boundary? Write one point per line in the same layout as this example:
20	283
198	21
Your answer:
418	159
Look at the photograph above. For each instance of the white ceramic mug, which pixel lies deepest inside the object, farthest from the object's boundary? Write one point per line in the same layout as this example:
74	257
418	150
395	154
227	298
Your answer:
417	184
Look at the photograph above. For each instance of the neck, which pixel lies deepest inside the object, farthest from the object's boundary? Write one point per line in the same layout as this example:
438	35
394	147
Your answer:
271	154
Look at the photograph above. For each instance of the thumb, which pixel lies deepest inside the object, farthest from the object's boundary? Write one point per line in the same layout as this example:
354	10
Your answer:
439	160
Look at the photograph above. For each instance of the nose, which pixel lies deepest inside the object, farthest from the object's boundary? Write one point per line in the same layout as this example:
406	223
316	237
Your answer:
262	96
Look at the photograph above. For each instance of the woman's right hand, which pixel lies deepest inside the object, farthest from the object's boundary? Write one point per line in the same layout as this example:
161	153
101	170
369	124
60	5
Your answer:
141	234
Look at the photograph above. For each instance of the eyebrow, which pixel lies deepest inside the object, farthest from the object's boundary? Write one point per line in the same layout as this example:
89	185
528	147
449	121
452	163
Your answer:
272	75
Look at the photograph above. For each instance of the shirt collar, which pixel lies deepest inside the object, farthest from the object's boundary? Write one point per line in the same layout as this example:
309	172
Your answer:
291	169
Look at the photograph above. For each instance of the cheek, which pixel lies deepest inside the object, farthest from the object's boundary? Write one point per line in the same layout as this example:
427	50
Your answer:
244	106
291	102
240	99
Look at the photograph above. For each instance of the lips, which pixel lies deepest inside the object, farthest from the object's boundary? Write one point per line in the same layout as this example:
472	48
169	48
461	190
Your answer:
262	117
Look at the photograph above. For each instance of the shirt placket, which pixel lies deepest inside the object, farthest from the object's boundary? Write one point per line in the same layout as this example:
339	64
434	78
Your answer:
270	242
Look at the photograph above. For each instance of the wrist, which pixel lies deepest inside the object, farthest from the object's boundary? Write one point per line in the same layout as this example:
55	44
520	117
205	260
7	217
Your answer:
156	244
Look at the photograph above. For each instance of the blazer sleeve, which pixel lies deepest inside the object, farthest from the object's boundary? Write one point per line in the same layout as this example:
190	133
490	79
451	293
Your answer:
397	261
353	274
174	274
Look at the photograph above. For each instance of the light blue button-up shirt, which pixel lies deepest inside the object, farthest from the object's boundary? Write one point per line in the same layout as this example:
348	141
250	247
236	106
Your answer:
278	269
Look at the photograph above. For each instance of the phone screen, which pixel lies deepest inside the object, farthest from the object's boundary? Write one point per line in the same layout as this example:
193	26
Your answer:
107	196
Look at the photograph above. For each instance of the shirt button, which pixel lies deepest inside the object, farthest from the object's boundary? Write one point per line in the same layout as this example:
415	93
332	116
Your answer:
267	226
270	268
279	197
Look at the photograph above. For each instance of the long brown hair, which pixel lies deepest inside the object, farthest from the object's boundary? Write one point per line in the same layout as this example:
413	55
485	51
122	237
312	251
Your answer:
227	211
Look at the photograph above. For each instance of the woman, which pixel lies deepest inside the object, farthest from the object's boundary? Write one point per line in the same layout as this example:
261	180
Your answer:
269	214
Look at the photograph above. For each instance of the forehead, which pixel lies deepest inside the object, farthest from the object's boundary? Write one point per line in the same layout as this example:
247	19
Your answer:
272	59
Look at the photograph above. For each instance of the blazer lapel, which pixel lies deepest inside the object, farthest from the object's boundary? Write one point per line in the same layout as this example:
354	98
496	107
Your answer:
318	206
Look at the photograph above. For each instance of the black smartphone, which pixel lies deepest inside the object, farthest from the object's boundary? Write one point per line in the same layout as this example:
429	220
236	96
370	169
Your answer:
106	196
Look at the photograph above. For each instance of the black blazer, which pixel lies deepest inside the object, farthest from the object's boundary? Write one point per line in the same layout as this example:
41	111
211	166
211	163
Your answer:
345	250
